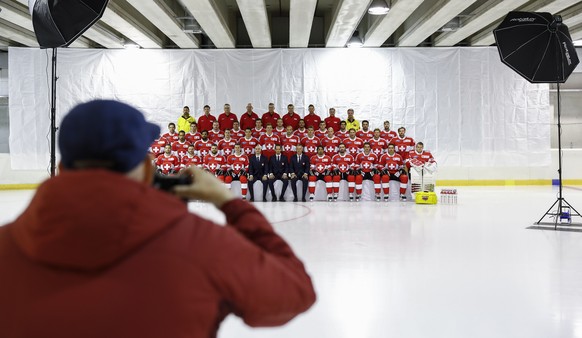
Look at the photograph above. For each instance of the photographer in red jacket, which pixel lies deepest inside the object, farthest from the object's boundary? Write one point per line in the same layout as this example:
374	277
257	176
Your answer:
100	253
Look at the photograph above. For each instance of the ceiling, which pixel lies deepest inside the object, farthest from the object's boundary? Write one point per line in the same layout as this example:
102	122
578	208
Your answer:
289	23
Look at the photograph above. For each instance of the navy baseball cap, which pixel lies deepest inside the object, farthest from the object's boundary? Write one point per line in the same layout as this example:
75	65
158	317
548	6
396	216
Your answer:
105	134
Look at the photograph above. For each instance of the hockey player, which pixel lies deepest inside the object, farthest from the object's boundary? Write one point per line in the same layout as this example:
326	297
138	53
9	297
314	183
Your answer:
322	131
236	132
180	147
280	129
268	142
157	147
343	169
215	163
190	159
193	135
421	165
258	130
378	144
203	146
301	131
365	134
320	169
330	143
354	145
343	133
226	145
248	143
289	143
215	134
237	167
310	143
367	165
392	168
387	134
168	163
171	136
403	143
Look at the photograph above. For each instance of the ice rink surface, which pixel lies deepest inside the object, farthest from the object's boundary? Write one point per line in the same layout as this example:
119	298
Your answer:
403	270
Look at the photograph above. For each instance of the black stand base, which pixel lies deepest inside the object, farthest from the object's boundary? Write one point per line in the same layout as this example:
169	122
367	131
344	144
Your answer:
563	214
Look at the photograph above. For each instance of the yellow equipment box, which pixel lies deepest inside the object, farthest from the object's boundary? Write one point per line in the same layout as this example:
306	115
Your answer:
425	197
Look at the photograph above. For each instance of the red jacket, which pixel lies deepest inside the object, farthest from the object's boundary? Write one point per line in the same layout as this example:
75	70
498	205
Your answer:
98	255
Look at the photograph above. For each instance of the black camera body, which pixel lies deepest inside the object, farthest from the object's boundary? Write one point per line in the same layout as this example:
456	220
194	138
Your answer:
168	182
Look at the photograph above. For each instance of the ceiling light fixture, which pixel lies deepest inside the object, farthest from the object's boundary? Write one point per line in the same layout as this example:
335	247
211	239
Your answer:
379	7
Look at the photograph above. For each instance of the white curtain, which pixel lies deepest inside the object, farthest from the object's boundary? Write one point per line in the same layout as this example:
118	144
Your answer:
465	105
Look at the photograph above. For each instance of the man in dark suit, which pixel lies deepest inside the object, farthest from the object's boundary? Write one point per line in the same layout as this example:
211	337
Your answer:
278	168
258	169
299	170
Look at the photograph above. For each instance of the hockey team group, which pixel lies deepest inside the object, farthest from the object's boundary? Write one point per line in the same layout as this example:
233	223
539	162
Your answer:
292	149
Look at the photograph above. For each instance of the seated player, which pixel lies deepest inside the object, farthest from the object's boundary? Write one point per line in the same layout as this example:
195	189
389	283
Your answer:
392	168
422	166
278	168
367	166
190	159
343	169
157	147
237	167
320	170
215	163
168	163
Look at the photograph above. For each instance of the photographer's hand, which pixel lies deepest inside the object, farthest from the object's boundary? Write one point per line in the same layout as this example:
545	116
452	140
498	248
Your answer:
204	187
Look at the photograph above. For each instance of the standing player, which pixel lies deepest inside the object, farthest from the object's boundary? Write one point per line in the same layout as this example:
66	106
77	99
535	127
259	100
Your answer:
205	121
280	129
330	143
215	134
310	143
354	145
289	143
367	163
193	134
168	163
203	146
247	120
378	144
236	133
171	136
215	163
365	134
403	143
180	147
271	116
301	131
268	142
387	134
226	119
343	169
320	167
258	130
237	167
226	145
343	133
322	131
392	167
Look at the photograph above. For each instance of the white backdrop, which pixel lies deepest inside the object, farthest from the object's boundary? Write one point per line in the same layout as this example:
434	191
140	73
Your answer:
467	107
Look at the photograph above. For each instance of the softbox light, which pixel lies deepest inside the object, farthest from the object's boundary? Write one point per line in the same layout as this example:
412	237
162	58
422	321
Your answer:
537	46
57	23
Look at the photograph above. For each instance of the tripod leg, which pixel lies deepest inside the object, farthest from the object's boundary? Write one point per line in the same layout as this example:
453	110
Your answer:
547	212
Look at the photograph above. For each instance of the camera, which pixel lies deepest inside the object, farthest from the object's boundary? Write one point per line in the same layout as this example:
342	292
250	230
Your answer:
168	182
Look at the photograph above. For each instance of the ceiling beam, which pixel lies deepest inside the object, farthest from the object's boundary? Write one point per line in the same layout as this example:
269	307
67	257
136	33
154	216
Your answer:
346	18
254	14
486	38
479	19
213	20
16	33
120	20
301	13
158	13
387	24
431	21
